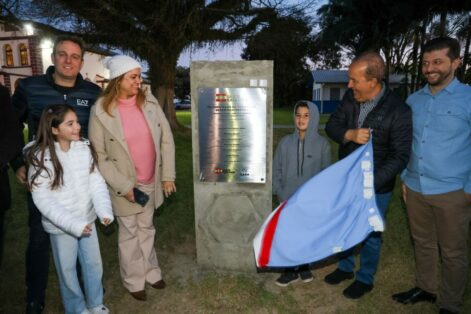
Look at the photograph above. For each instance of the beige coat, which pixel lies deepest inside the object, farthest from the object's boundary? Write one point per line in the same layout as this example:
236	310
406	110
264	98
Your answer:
114	159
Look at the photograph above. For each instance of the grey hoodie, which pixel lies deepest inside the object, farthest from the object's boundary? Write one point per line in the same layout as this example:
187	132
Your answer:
296	160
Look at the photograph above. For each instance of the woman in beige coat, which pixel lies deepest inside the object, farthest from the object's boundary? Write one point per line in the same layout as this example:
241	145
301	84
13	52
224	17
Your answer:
136	153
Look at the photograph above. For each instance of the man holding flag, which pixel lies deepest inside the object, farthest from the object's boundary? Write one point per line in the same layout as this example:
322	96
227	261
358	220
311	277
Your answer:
369	106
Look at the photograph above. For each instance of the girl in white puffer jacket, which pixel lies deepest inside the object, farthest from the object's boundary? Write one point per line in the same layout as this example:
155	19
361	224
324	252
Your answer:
70	192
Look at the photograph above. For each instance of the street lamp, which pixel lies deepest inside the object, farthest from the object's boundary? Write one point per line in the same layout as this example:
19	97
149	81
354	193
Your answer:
29	29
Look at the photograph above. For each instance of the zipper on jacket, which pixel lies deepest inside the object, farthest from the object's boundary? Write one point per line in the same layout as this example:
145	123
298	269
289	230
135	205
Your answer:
65	99
300	167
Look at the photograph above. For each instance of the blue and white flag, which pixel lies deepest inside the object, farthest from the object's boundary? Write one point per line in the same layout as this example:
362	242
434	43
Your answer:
332	212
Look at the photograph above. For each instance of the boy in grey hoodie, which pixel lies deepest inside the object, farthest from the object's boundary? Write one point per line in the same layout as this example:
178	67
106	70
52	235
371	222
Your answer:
298	157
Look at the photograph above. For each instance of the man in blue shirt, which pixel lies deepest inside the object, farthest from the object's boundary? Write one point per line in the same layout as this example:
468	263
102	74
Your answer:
437	180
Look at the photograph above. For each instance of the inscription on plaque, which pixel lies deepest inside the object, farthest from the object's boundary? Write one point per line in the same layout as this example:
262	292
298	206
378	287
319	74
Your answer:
232	134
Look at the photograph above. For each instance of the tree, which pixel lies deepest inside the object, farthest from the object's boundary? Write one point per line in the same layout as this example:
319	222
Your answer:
182	82
396	28
325	56
154	31
286	41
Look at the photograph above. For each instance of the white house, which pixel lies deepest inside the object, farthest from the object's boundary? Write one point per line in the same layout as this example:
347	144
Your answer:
328	87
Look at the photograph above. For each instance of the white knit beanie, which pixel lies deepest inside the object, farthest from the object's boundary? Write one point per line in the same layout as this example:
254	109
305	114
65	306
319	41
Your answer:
118	65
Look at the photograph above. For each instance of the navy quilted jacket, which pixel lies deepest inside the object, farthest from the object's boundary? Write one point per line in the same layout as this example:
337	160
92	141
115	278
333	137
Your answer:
34	93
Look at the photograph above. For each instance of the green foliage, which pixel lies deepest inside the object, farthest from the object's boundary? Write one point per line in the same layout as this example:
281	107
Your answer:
325	55
286	41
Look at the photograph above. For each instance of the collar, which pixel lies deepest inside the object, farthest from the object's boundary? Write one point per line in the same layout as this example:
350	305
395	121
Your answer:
450	88
51	69
376	99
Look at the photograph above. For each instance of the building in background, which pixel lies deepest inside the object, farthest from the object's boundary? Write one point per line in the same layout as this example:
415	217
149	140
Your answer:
25	53
328	87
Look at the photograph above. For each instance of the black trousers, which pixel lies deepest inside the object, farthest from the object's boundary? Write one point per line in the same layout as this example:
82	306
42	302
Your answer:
37	256
5	202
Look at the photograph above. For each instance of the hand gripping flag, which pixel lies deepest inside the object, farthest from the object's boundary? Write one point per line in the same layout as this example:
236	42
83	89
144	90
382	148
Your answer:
330	213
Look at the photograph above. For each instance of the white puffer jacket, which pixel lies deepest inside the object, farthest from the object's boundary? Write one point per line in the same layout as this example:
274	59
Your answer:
83	195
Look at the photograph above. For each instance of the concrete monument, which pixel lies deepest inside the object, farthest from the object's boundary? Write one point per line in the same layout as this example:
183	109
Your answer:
232	154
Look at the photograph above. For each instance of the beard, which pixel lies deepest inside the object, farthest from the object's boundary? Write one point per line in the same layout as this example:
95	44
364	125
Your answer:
439	77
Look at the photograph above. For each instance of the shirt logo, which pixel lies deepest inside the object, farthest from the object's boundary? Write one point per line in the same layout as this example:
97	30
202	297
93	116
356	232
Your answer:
82	102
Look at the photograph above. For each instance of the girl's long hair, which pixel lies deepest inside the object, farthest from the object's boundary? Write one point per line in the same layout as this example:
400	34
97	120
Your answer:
111	93
51	117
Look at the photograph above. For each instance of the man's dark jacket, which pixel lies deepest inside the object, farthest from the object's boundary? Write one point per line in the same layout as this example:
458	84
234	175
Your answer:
10	130
33	94
391	122
10	146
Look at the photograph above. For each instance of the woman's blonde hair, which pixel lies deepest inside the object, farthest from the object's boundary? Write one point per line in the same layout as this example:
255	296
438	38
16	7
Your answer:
111	92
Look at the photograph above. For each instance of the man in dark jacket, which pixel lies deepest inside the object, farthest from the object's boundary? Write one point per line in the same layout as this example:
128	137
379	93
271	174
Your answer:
10	146
370	107
62	84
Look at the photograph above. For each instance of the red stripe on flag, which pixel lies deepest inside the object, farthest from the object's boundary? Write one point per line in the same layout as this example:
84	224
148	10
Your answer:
268	235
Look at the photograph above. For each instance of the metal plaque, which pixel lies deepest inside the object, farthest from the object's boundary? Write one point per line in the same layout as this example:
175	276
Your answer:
232	134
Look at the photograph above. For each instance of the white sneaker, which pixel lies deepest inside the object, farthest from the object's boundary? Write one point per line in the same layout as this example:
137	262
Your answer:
101	309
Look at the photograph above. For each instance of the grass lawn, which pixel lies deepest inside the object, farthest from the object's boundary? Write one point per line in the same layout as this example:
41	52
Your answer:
283	116
192	289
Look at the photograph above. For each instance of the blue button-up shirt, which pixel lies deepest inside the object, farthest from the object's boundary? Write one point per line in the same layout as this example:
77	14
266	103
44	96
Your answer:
440	160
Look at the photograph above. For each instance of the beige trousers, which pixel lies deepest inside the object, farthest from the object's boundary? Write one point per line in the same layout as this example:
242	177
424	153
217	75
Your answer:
439	226
137	256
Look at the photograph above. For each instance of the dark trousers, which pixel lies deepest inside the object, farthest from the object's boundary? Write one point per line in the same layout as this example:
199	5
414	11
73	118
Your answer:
5	201
439	225
370	249
37	256
297	269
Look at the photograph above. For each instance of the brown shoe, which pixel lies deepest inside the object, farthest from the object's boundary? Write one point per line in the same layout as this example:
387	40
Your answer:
139	295
159	284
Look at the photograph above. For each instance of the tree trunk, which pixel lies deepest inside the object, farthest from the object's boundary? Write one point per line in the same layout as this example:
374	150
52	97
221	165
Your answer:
162	73
442	26
423	32
387	56
462	73
415	57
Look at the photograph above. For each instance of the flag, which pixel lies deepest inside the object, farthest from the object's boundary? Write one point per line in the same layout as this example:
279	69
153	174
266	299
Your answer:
332	212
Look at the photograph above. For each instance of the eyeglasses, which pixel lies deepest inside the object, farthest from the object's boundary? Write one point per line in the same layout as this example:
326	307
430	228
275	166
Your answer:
63	55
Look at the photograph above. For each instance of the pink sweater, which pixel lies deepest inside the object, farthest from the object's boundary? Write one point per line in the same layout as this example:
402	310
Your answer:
138	138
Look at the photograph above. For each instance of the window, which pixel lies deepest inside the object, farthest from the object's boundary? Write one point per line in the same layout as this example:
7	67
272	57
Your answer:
335	93
23	54
8	55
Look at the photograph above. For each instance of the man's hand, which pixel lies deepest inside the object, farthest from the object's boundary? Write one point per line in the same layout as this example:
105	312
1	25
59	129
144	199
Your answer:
359	136
21	175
